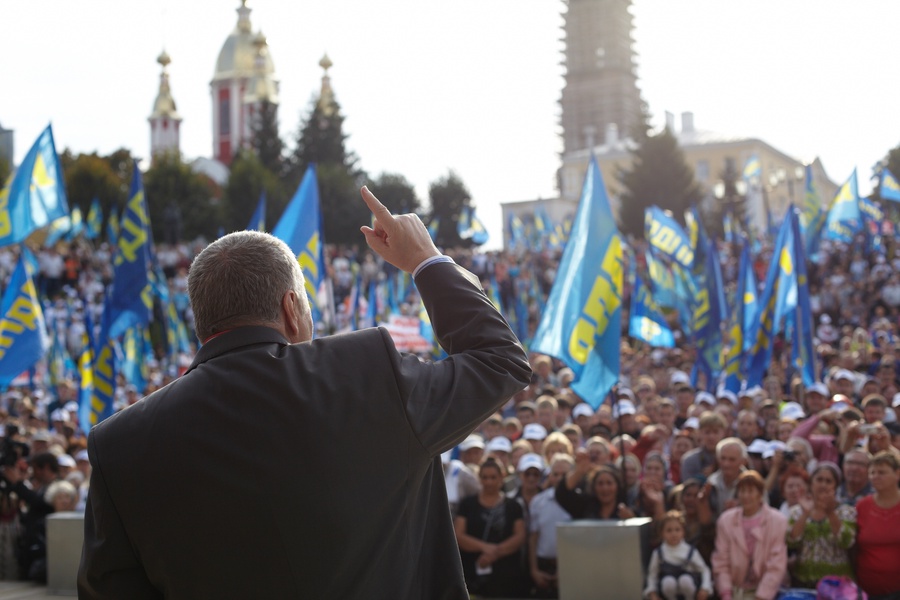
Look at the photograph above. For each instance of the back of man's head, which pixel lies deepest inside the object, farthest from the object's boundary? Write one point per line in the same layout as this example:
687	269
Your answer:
240	279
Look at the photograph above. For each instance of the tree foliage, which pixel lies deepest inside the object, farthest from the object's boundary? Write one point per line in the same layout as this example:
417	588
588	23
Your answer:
266	141
89	176
658	175
448	196
396	193
5	171
246	182
179	201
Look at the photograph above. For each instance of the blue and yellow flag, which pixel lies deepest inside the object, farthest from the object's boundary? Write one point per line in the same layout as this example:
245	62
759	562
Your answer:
889	187
23	332
802	347
470	227
708	317
136	349
582	324
129	302
517	240
662	281
752	168
176	331
94	224
433	227
112	227
86	362
666	236
103	387
645	321
744	306
300	227
35	195
258	219
844	217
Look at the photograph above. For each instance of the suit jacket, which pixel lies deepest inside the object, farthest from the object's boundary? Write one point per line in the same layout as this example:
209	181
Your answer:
731	559
312	470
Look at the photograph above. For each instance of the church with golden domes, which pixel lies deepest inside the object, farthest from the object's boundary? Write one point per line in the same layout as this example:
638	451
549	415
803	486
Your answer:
243	79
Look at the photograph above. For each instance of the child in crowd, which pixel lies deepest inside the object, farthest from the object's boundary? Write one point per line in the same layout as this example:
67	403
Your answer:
676	568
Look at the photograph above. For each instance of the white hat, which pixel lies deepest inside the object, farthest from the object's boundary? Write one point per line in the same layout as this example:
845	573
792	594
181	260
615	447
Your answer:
473	441
530	461
842	374
81	455
72	407
705	397
773	446
445	457
534	431
825	319
582	410
792	410
691	423
65	460
758	446
627	393
60	414
623	407
729	395
679	377
896	401
818	388
499	444
841	406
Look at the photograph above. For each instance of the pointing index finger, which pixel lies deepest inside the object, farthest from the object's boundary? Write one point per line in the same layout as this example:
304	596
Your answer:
382	214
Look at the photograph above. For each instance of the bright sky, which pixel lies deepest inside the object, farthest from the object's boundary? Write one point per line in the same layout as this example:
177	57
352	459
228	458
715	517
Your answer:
469	85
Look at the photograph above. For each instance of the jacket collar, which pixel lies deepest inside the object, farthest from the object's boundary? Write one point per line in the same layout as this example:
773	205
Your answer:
234	339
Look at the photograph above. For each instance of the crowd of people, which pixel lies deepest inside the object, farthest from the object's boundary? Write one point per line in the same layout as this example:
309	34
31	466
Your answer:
776	487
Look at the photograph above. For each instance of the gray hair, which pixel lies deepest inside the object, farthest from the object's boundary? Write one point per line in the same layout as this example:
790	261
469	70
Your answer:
60	487
732	441
240	279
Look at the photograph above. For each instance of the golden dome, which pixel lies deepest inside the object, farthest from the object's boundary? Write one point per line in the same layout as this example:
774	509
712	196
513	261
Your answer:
164	106
237	59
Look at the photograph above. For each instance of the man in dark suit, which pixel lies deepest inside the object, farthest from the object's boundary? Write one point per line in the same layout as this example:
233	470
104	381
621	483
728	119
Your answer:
279	467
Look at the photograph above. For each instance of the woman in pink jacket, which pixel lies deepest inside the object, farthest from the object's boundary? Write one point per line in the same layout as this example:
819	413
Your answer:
750	559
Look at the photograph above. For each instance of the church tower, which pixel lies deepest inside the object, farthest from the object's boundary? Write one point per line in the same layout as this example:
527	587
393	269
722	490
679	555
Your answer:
244	76
600	98
165	123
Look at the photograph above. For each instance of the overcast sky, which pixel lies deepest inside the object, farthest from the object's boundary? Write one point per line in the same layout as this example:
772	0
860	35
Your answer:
468	85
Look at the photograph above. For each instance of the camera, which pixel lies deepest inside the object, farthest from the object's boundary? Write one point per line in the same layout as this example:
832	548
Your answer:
789	455
868	429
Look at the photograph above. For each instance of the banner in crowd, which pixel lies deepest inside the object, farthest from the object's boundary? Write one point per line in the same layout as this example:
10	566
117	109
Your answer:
645	321
23	332
707	334
844	217
889	187
470	227
582	322
300	227
94	224
744	308
258	218
667	237
35	195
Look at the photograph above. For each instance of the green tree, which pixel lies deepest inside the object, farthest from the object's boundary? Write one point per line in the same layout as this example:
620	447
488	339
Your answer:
732	200
179	201
658	175
246	182
396	193
321	140
448	196
5	171
266	141
90	176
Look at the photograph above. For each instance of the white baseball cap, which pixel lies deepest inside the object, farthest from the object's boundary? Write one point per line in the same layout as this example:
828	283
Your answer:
473	441
582	410
534	431
499	444
530	461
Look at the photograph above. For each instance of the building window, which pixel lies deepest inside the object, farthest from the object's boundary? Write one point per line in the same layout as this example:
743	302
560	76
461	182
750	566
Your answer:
702	170
224	114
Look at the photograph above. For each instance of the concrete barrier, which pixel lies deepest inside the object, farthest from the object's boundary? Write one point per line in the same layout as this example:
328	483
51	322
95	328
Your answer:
602	559
65	537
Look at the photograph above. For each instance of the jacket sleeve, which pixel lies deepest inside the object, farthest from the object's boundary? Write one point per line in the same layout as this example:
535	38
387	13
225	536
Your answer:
572	501
776	557
721	560
445	400
109	567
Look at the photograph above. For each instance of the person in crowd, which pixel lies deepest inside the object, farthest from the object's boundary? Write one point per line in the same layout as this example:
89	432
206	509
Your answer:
676	569
490	531
556	443
855	484
821	530
531	472
546	513
699	524
254	405
701	462
459	479
878	539
681	445
794	488
62	496
600	451
750	559
471	451
590	492
721	486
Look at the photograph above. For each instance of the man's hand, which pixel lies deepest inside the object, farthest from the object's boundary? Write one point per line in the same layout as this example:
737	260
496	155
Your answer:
402	240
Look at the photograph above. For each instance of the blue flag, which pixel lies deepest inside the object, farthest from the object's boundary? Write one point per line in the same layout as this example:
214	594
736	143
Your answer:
645	321
470	227
129	302
23	333
889	188
433	227
582	323
752	168
103	387
300	227
666	236
517	239
662	281
710	312
112	227
844	218
35	195
86	362
258	219
802	348
744	303
94	224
